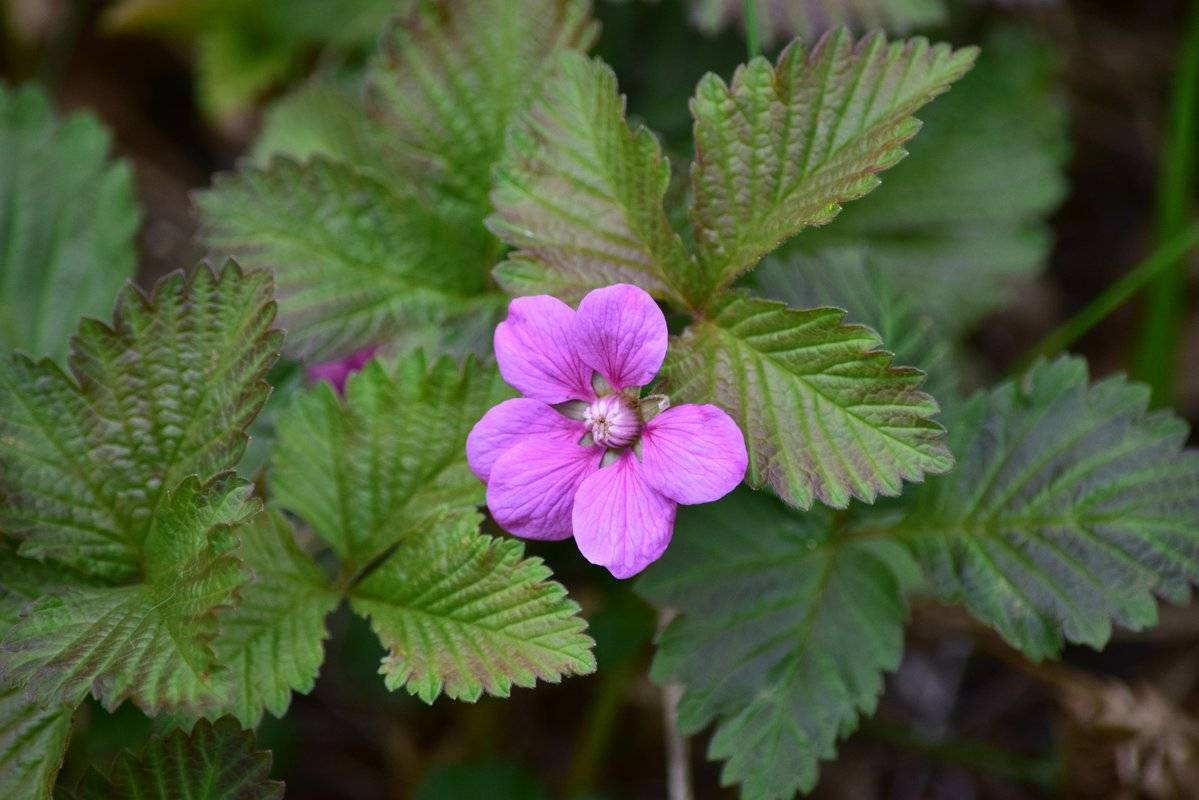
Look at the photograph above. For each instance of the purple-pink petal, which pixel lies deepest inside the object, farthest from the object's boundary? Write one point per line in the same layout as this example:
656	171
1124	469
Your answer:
620	521
339	371
510	423
622	334
533	484
535	348
693	453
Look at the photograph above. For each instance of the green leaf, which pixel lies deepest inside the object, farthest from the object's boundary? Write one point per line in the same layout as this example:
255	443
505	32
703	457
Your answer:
579	193
148	641
323	118
24	580
783	146
272	643
1071	507
452	76
782	19
33	742
784	634
214	762
68	217
389	462
963	217
825	414
164	393
359	258
463	613
870	295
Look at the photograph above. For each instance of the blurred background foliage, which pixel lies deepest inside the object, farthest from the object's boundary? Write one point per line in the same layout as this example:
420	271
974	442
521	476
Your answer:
1039	182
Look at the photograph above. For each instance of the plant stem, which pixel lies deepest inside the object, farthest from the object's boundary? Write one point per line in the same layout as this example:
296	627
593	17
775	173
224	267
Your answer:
678	753
750	18
970	753
1171	252
1157	351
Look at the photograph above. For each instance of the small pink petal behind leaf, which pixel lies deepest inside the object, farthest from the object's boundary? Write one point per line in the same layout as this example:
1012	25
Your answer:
693	453
622	334
512	422
532	486
339	371
536	351
620	521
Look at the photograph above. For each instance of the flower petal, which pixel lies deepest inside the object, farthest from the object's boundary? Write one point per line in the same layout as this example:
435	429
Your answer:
620	521
535	349
510	423
693	453
339	371
622	334
533	485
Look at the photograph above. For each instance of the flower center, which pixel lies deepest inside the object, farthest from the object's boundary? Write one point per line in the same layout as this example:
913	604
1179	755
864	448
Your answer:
613	421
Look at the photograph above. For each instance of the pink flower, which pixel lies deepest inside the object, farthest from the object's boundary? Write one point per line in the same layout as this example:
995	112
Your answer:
338	372
582	453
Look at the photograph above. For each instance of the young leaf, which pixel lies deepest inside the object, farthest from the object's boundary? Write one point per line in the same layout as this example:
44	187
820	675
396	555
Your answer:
783	19
463	613
1071	507
272	644
359	258
166	392
784	634
68	218
963	217
783	146
454	73
825	414
388	463
148	641
33	742
214	762
579	193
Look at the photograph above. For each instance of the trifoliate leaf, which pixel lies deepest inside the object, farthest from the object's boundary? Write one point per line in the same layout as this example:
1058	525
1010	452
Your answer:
272	643
579	194
214	762
784	634
825	414
783	146
166	392
463	613
1070	508
963	217
33	741
783	19
68	217
390	461
148	641
871	296
359	259
453	74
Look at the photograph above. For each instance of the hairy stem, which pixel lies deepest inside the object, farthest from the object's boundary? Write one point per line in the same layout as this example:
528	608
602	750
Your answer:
1169	253
1161	328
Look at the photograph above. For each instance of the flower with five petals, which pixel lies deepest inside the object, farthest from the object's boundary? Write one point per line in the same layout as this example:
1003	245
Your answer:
582	453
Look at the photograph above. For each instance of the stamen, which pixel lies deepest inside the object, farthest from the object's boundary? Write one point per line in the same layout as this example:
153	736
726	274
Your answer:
613	421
